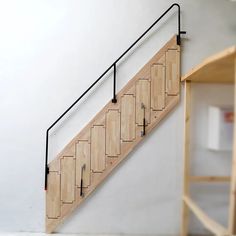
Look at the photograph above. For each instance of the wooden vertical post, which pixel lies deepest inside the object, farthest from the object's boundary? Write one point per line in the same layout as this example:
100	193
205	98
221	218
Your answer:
232	207
186	161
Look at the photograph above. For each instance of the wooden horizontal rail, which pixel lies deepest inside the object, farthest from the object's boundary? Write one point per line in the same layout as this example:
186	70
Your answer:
209	223
213	179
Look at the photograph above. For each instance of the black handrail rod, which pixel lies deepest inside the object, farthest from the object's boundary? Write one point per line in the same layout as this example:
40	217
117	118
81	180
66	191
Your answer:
175	4
100	77
117	60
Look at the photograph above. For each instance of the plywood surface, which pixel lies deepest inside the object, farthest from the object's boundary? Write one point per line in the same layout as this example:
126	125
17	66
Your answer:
53	208
98	148
67	179
158	81
208	222
112	134
186	157
218	68
232	206
128	117
83	160
142	93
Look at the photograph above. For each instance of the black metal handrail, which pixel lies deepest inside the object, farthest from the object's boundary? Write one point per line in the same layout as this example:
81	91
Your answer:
113	65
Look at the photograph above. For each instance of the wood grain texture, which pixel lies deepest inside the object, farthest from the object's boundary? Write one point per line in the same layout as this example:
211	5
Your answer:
113	132
83	158
129	88
158	86
67	179
98	178
186	157
53	196
218	68
98	156
208	222
232	205
143	94
172	72
209	179
128	117
101	132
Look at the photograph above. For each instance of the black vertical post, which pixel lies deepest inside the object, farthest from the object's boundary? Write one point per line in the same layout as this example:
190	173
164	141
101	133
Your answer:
114	100
143	132
81	181
144	126
178	36
46	164
179	31
81	187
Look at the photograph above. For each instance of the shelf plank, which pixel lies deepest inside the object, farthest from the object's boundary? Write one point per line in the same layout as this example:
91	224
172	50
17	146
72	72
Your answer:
232	206
218	68
210	179
209	223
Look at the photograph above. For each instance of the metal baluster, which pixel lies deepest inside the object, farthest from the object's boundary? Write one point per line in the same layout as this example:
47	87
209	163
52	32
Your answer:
143	132
81	181
114	100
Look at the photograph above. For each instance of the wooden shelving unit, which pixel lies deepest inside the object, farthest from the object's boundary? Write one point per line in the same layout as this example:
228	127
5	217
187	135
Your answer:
219	68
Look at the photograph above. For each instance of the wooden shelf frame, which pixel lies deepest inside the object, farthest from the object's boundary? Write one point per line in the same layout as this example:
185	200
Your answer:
209	223
219	68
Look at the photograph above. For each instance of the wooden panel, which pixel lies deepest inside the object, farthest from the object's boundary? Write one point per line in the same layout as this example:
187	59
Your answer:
232	205
186	158
113	132
67	179
172	72
209	223
53	195
218	68
157	86
83	158
98	141
209	179
128	118
98	156
142	96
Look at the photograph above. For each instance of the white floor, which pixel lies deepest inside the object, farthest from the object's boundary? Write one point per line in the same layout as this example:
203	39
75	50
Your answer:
43	234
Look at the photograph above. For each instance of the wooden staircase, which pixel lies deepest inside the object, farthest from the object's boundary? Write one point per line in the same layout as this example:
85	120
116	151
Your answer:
112	134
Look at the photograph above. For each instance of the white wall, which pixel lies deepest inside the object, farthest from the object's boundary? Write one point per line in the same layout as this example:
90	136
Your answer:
50	52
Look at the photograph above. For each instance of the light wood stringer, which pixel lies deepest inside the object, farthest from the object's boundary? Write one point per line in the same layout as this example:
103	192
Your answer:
110	136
